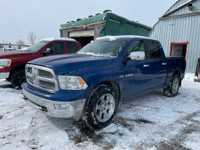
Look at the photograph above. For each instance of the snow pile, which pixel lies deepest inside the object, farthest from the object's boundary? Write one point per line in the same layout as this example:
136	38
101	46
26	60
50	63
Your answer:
151	121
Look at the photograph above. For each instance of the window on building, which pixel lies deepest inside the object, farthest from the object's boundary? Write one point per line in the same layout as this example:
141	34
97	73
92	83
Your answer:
178	49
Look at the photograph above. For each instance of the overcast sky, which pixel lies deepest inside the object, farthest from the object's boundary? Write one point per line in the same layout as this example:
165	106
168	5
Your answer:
44	17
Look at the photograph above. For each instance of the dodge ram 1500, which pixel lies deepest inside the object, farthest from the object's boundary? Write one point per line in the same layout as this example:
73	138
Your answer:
91	83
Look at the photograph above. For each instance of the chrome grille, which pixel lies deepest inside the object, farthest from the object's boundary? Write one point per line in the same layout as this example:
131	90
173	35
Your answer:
41	77
45	74
47	84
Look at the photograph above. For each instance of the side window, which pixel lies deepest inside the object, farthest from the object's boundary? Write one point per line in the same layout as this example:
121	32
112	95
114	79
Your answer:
56	48
135	47
72	47
153	49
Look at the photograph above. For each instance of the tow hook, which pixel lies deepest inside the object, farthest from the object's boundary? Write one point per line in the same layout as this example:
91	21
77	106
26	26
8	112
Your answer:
44	109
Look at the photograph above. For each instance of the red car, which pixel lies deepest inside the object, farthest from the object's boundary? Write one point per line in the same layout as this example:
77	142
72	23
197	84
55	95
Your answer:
12	64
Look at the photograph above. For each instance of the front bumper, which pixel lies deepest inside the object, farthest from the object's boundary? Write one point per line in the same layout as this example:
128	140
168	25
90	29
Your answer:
4	75
72	109
4	72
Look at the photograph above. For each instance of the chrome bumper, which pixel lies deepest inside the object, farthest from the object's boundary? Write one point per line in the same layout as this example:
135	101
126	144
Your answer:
4	75
52	108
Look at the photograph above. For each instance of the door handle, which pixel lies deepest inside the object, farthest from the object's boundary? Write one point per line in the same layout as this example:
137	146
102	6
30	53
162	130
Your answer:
164	64
145	66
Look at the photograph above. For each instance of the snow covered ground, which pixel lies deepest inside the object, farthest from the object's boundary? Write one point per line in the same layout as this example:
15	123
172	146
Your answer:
151	121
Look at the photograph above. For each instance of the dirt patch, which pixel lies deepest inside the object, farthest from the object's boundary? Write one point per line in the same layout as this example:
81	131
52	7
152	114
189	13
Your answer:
173	145
176	143
129	123
80	133
6	86
143	121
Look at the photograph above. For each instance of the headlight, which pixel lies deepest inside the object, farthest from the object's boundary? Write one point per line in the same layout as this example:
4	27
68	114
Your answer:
71	83
5	62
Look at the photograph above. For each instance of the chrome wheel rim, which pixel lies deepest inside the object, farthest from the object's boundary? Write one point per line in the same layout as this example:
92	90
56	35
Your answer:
105	107
175	85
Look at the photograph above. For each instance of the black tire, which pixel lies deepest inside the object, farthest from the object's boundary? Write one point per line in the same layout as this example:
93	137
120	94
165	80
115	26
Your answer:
101	107
17	78
172	89
8	79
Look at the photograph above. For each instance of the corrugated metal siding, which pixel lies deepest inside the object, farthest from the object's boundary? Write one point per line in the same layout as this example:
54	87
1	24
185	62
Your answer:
176	5
185	10
180	30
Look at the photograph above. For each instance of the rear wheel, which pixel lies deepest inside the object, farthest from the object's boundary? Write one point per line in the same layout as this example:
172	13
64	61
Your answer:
173	87
17	78
101	107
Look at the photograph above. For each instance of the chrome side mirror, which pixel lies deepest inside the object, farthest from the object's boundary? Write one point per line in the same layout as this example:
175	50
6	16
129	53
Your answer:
137	55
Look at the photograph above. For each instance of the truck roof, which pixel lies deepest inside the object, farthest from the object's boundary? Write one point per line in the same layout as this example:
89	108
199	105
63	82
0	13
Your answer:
113	38
58	39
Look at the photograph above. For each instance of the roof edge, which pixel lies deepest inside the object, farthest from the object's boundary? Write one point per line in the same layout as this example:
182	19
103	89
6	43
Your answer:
178	8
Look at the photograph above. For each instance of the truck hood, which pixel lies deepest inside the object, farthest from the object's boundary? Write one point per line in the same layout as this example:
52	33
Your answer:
63	64
15	54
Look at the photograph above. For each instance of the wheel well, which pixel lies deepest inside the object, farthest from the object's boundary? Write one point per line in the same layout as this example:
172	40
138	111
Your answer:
114	85
177	72
17	67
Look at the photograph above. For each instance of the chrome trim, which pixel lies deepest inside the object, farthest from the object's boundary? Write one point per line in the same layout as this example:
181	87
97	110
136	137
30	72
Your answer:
146	66
36	78
4	75
164	64
74	109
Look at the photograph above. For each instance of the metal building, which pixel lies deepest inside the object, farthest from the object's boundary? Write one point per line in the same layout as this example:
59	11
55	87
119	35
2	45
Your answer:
178	30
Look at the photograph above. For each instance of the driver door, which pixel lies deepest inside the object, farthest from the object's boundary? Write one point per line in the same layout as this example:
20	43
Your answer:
135	72
54	48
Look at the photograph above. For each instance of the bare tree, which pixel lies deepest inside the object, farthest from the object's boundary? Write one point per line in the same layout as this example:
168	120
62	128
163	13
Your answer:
20	43
31	38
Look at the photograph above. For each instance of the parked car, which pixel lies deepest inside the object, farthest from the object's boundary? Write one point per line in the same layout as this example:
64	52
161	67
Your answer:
91	83
12	64
6	50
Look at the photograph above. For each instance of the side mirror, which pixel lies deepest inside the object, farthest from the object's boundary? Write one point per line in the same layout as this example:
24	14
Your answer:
137	55
47	51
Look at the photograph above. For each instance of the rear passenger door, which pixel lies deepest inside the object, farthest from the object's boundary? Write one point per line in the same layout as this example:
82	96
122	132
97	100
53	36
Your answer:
156	65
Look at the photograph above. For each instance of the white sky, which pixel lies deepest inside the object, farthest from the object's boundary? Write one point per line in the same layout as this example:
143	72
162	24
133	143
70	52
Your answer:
44	17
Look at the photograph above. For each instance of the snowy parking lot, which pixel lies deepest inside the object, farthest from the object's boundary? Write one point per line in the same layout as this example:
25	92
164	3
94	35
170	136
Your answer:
151	121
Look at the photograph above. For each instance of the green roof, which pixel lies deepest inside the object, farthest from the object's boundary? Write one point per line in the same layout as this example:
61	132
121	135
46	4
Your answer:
111	21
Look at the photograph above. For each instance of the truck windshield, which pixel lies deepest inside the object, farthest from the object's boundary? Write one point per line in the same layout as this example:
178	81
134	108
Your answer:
37	46
103	48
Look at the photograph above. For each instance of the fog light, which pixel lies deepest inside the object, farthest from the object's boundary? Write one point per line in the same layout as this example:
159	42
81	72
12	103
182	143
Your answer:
61	106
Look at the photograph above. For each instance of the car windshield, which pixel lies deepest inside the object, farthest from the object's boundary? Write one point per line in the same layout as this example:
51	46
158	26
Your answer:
103	48
37	46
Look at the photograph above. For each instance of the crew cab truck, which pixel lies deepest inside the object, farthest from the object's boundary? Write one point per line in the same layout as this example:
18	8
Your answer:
12	64
90	83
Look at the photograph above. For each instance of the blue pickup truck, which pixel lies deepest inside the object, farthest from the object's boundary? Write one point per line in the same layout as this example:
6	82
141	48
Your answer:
91	83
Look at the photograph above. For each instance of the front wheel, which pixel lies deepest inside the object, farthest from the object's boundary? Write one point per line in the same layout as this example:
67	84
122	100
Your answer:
17	78
101	107
173	87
